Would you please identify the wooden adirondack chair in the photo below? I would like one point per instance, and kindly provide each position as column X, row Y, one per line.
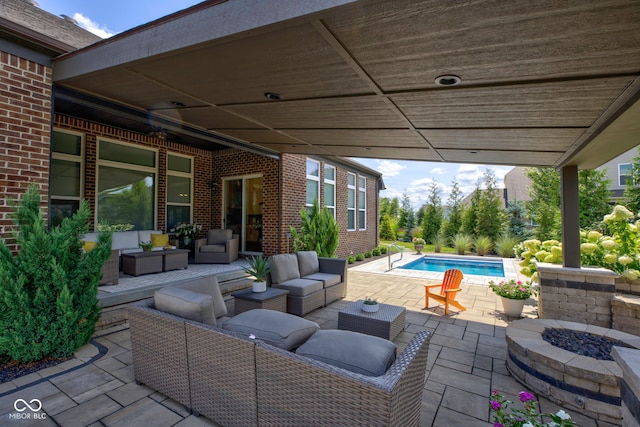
column 449, row 287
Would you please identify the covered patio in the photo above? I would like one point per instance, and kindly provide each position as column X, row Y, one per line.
column 466, row 361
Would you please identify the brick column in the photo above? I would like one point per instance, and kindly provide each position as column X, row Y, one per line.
column 25, row 123
column 576, row 294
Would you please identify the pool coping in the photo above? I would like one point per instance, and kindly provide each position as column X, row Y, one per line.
column 381, row 266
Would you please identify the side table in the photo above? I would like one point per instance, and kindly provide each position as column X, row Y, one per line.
column 386, row 323
column 271, row 299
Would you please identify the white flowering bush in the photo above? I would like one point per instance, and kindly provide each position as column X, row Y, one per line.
column 618, row 251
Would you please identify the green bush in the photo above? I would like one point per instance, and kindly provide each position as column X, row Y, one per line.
column 351, row 259
column 368, row 254
column 376, row 252
column 383, row 250
column 359, row 257
column 318, row 232
column 462, row 242
column 49, row 289
column 504, row 245
column 482, row 244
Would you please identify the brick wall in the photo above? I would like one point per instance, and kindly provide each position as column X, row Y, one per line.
column 294, row 189
column 201, row 164
column 236, row 163
column 25, row 129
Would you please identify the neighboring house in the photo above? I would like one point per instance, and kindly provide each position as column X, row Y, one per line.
column 618, row 170
column 516, row 186
column 517, row 183
column 156, row 179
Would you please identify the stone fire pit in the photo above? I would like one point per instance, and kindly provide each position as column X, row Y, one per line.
column 576, row 382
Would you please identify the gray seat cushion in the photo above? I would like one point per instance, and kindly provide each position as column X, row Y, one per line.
column 216, row 249
column 300, row 287
column 326, row 278
column 353, row 351
column 284, row 267
column 219, row 237
column 185, row 303
column 308, row 262
column 274, row 327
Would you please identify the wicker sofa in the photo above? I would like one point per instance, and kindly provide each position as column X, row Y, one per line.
column 237, row 381
column 312, row 281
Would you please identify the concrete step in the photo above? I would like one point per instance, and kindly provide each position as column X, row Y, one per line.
column 114, row 305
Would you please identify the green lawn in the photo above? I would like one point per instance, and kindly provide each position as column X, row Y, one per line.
column 409, row 246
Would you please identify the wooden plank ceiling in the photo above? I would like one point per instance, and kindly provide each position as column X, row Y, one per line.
column 540, row 80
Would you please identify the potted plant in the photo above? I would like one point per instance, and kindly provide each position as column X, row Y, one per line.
column 146, row 246
column 513, row 294
column 418, row 244
column 370, row 305
column 258, row 268
column 187, row 232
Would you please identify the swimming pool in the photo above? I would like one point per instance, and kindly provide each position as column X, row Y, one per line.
column 467, row 266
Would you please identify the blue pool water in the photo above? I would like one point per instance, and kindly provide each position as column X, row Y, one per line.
column 478, row 268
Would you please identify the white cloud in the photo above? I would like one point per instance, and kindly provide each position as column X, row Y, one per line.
column 388, row 168
column 93, row 27
column 438, row 171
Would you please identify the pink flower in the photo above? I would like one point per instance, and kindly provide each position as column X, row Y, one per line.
column 495, row 405
column 525, row 396
column 498, row 424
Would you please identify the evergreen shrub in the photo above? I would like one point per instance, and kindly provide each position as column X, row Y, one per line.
column 49, row 289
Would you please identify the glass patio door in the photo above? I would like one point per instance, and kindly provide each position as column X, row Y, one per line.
column 242, row 211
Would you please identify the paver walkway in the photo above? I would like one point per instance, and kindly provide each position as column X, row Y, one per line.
column 466, row 361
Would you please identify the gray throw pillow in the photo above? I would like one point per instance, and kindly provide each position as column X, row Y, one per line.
column 308, row 262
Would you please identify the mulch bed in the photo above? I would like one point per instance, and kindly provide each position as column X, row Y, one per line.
column 9, row 371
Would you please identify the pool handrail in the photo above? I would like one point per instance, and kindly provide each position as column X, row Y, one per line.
column 399, row 248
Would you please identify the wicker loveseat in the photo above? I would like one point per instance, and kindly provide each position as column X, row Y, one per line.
column 312, row 281
column 234, row 380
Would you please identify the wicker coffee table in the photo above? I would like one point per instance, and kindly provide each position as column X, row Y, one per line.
column 387, row 322
column 139, row 263
column 271, row 299
column 175, row 259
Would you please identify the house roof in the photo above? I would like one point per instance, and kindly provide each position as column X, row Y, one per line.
column 24, row 22
column 542, row 83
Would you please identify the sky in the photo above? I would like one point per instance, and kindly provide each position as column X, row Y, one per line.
column 109, row 17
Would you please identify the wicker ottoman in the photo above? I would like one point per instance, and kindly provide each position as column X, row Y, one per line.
column 387, row 322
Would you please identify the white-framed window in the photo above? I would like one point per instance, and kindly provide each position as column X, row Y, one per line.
column 67, row 174
column 179, row 189
column 126, row 184
column 351, row 201
column 624, row 171
column 330, row 189
column 362, row 202
column 313, row 183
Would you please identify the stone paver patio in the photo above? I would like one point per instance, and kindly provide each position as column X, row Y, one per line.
column 466, row 361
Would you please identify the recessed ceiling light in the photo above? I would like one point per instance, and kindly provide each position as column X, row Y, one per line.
column 367, row 148
column 473, row 152
column 272, row 95
column 448, row 80
column 178, row 104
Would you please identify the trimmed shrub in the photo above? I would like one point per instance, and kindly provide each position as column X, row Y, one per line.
column 383, row 250
column 49, row 289
column 359, row 257
column 376, row 252
column 368, row 254
column 318, row 232
column 351, row 259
